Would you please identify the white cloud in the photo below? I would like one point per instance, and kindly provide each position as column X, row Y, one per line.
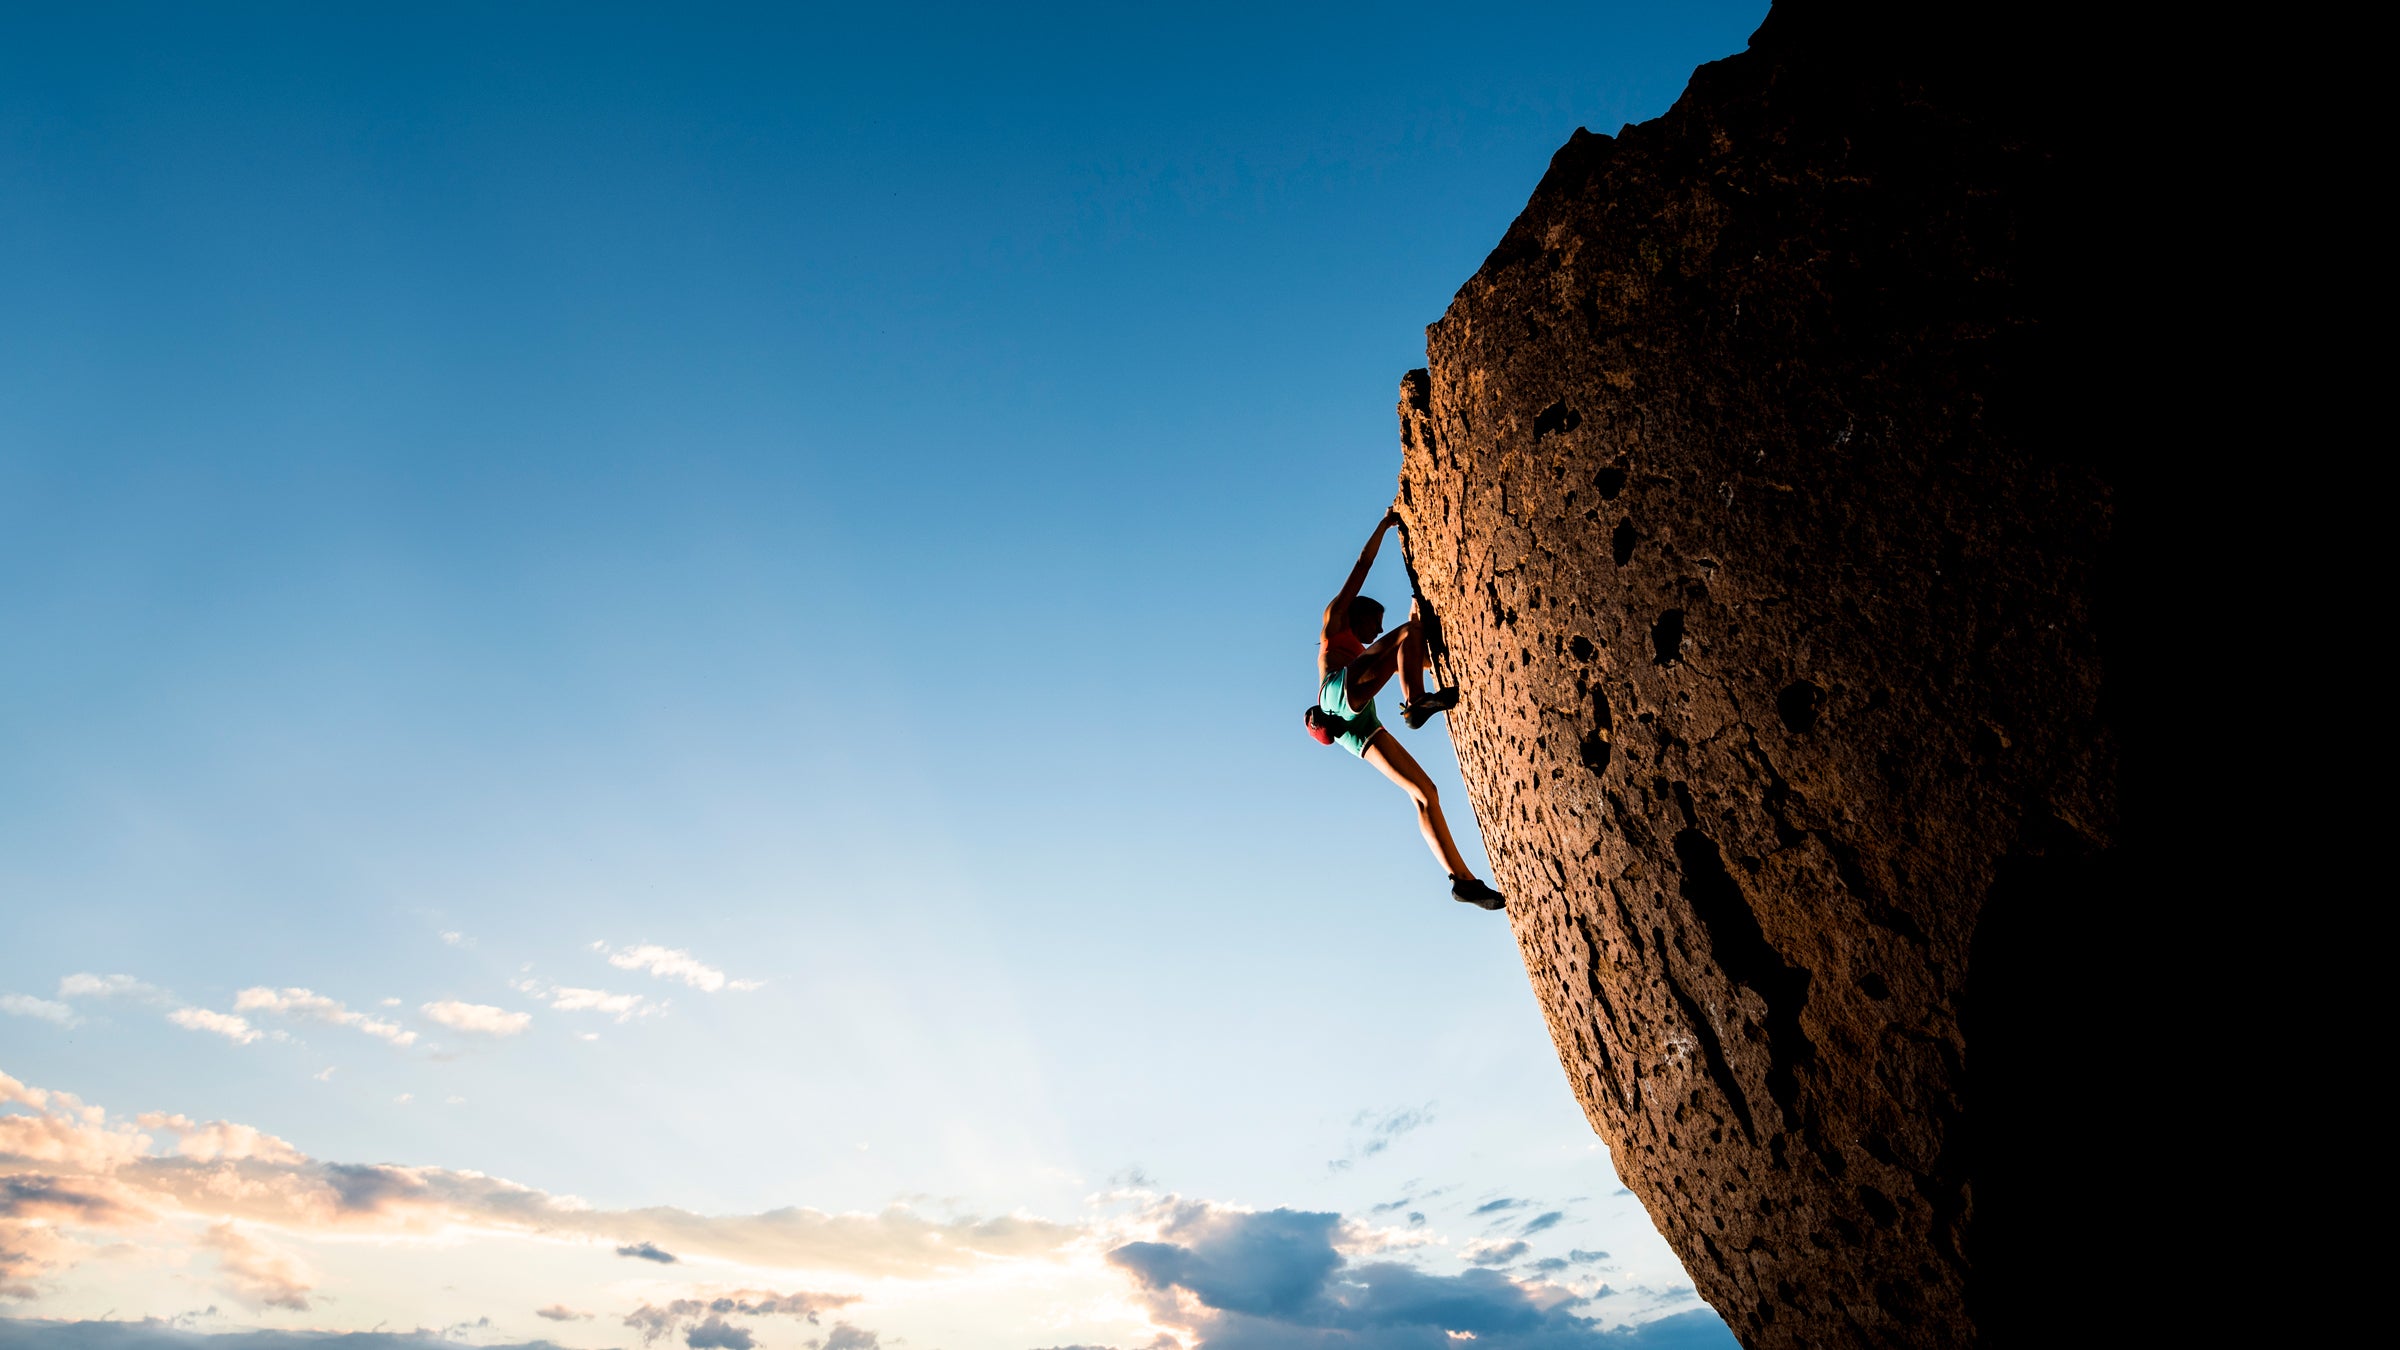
column 566, row 998
column 480, row 1019
column 318, row 1008
column 235, row 1029
column 623, row 1007
column 457, row 940
column 671, row 963
column 26, row 1005
column 85, row 985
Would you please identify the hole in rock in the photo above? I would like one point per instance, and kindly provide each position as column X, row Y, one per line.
column 1742, row 952
column 1798, row 704
column 1620, row 544
column 1666, row 636
column 1610, row 481
column 1582, row 647
column 1555, row 419
column 1595, row 751
column 1595, row 748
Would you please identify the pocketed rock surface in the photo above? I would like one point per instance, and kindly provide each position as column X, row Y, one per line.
column 1770, row 567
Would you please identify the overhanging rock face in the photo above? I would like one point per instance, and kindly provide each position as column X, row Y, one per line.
column 1770, row 564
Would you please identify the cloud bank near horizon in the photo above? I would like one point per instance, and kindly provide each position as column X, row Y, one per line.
column 151, row 1333
column 77, row 1181
column 249, row 1213
column 1284, row 1280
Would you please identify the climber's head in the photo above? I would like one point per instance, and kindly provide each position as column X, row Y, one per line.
column 1366, row 618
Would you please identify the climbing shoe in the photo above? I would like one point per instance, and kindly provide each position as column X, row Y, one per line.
column 1474, row 892
column 1420, row 711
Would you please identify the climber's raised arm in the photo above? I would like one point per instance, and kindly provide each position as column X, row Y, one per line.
column 1337, row 614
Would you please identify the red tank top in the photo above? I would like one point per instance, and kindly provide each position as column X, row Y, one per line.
column 1337, row 650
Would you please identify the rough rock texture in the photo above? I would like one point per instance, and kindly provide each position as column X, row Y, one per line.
column 1770, row 563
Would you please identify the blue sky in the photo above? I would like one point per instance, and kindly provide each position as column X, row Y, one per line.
column 517, row 523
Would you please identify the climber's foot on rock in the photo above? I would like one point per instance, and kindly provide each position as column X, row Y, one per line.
column 1474, row 892
column 1417, row 712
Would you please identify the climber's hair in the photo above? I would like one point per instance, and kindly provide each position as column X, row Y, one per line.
column 1365, row 610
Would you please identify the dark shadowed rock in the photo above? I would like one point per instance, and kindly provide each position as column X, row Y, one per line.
column 1769, row 552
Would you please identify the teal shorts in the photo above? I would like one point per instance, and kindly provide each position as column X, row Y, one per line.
column 1334, row 698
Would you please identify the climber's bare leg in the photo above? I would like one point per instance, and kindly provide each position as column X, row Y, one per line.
column 1412, row 660
column 1383, row 658
column 1386, row 754
column 1419, row 706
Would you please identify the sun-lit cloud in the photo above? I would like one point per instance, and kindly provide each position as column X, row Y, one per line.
column 255, row 1273
column 40, row 1009
column 478, row 1019
column 179, row 1333
column 567, row 998
column 314, row 1007
column 235, row 1029
column 86, row 985
column 560, row 1312
column 59, row 1134
column 669, row 963
column 224, row 1173
column 28, row 1250
column 219, row 1139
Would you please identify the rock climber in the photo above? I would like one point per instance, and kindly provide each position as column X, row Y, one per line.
column 1353, row 663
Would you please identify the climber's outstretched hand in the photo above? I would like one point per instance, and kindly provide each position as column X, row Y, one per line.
column 1337, row 614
